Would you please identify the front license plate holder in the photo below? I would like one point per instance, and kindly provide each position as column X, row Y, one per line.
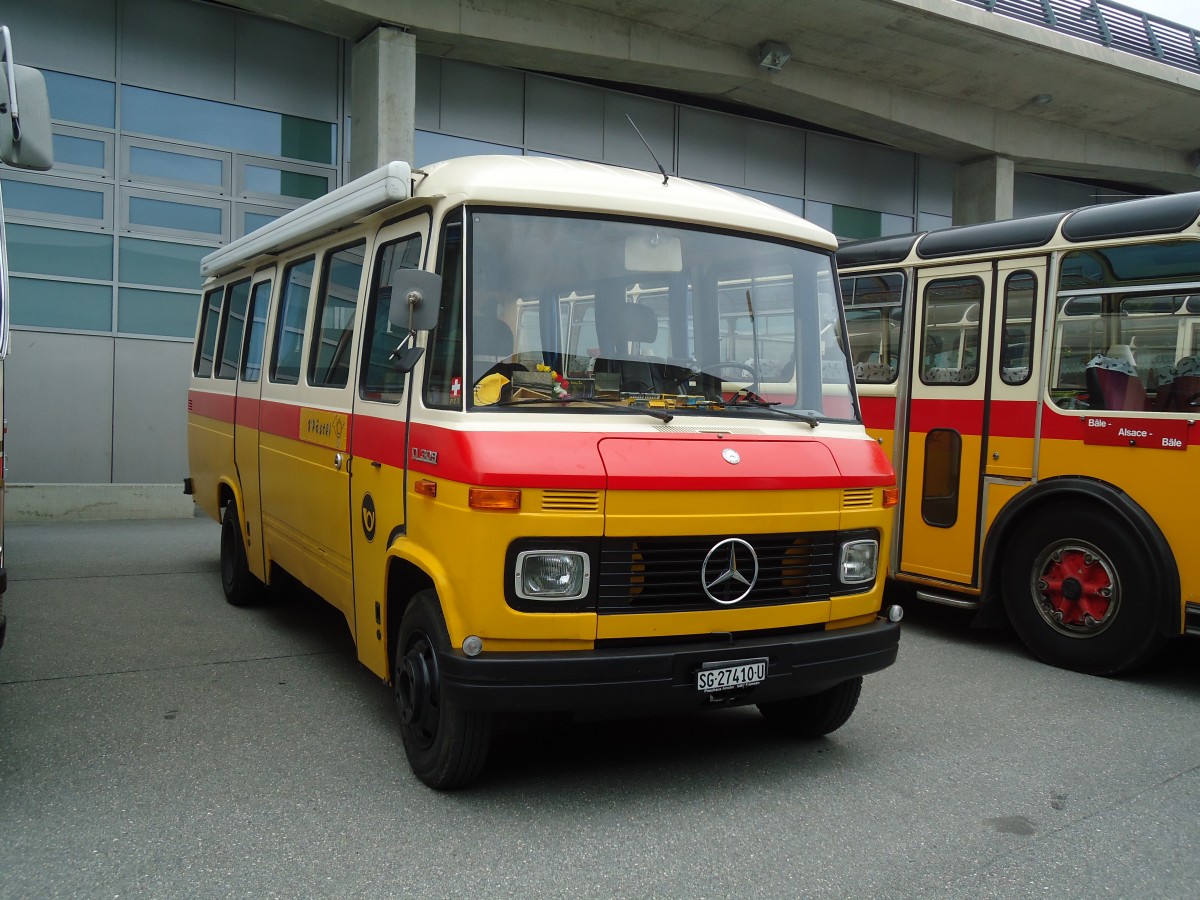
column 730, row 675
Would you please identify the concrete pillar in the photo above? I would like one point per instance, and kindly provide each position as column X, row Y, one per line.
column 983, row 191
column 383, row 99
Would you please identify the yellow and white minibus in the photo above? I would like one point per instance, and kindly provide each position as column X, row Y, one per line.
column 437, row 398
column 1037, row 384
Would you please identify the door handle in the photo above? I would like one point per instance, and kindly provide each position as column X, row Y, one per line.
column 337, row 461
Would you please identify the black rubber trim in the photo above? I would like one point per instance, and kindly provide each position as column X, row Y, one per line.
column 877, row 251
column 1191, row 619
column 1150, row 215
column 662, row 678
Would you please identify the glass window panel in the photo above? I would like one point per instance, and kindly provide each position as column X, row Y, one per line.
column 72, row 150
column 233, row 327
column 151, row 163
column 333, row 342
column 57, row 251
column 268, row 180
column 225, row 125
column 206, row 344
column 380, row 380
column 254, row 220
column 61, row 304
column 53, row 199
column 176, row 216
column 950, row 344
column 849, row 222
column 260, row 300
column 939, row 491
column 88, row 101
column 289, row 328
column 159, row 263
column 166, row 313
column 1016, row 341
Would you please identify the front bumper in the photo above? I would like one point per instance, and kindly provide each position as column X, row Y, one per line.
column 662, row 677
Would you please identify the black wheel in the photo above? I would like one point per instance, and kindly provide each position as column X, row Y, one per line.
column 446, row 746
column 240, row 586
column 817, row 715
column 1080, row 593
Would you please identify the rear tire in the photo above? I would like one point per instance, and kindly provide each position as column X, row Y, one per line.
column 1080, row 593
column 240, row 585
column 445, row 744
column 817, row 715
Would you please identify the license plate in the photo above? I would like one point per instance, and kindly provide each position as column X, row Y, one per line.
column 726, row 676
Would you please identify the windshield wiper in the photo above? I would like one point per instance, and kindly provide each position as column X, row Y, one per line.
column 770, row 406
column 615, row 406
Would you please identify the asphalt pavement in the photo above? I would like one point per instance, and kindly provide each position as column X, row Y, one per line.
column 157, row 742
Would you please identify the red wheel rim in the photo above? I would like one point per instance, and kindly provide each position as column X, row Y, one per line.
column 1076, row 588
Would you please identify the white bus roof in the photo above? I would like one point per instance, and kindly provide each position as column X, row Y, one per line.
column 529, row 181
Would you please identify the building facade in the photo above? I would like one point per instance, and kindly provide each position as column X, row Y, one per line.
column 181, row 125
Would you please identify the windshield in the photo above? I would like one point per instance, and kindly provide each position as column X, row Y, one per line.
column 569, row 313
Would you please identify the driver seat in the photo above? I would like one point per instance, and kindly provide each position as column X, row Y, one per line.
column 632, row 323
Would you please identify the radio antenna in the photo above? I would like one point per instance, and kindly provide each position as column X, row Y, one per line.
column 648, row 147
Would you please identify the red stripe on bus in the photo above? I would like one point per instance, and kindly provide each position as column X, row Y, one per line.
column 211, row 406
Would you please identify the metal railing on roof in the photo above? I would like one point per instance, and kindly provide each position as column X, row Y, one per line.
column 1111, row 24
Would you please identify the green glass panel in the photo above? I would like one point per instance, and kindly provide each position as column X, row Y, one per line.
column 157, row 312
column 159, row 263
column 56, row 251
column 77, row 151
column 200, row 121
column 178, row 216
column 53, row 200
column 61, row 304
column 849, row 222
column 88, row 101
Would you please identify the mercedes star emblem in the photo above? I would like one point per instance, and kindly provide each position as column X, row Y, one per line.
column 730, row 570
column 731, row 456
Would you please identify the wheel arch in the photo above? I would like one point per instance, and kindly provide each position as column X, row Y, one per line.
column 1109, row 499
column 405, row 579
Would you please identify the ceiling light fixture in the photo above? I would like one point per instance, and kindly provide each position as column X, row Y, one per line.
column 773, row 56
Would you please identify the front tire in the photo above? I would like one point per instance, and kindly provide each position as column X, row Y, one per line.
column 817, row 715
column 1080, row 593
column 240, row 585
column 446, row 745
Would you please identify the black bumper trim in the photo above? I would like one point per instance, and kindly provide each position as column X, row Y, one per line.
column 663, row 677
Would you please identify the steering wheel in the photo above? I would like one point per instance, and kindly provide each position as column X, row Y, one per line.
column 716, row 368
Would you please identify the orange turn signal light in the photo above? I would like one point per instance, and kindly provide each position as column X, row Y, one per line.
column 494, row 499
column 426, row 488
column 891, row 497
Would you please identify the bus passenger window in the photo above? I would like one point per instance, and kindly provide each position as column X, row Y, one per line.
column 206, row 346
column 939, row 490
column 232, row 325
column 951, row 331
column 329, row 358
column 289, row 328
column 1016, row 338
column 380, row 380
column 257, row 318
column 443, row 371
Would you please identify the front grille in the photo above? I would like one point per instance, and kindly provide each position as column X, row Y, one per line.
column 664, row 574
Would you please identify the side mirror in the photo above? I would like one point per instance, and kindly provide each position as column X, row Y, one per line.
column 25, row 138
column 415, row 298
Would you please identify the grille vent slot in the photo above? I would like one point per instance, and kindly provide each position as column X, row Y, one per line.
column 570, row 501
column 858, row 498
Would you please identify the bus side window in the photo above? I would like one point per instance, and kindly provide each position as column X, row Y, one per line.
column 206, row 341
column 329, row 357
column 1016, row 338
column 380, row 380
column 289, row 327
column 233, row 322
column 443, row 370
column 951, row 331
column 939, row 488
column 256, row 316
